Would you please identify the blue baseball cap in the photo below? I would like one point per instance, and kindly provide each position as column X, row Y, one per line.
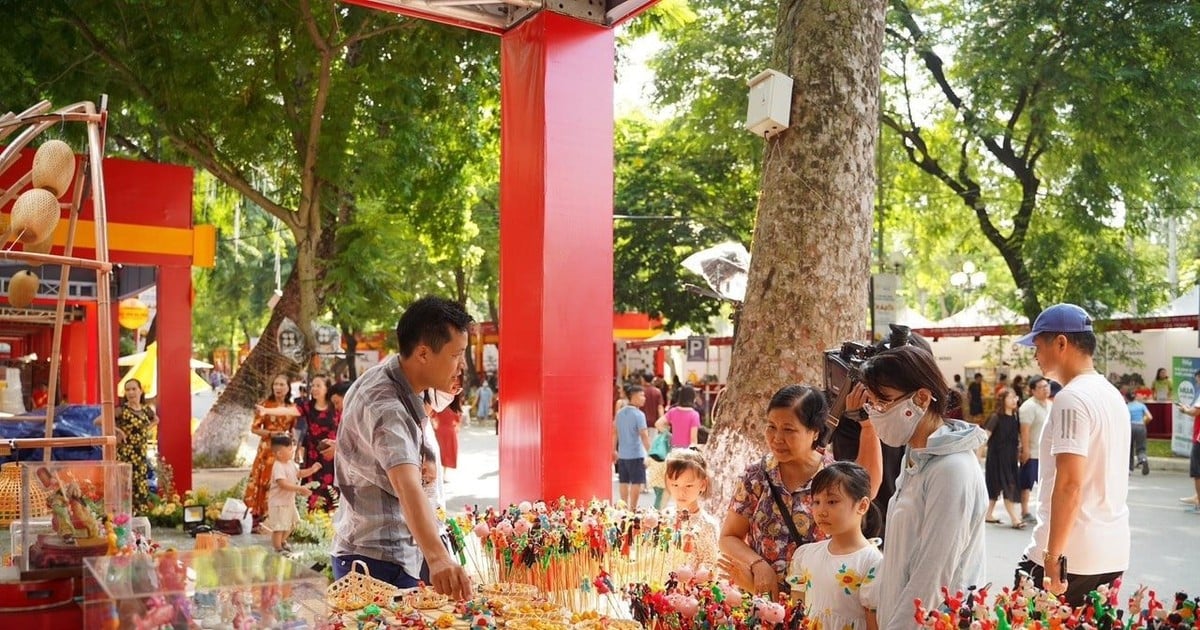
column 1060, row 318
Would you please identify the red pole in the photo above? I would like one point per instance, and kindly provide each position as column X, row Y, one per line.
column 174, row 401
column 556, row 183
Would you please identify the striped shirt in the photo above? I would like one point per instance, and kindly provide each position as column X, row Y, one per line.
column 378, row 432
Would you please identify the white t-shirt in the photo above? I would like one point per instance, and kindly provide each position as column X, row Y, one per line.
column 838, row 589
column 1089, row 418
column 288, row 472
column 1034, row 413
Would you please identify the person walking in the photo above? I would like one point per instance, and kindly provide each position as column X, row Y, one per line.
column 1139, row 417
column 631, row 441
column 1001, row 471
column 1082, row 514
column 1033, row 414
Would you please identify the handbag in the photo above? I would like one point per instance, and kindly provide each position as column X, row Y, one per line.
column 785, row 513
column 661, row 446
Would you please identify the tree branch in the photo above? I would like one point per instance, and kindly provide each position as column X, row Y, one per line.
column 208, row 159
column 360, row 37
column 310, row 194
column 936, row 67
column 133, row 147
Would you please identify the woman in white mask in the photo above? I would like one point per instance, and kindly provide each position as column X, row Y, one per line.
column 935, row 534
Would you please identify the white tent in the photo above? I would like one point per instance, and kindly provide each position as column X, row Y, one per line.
column 984, row 312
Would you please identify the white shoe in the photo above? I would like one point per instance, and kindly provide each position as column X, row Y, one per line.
column 1188, row 500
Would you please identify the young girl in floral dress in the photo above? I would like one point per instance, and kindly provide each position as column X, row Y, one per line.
column 837, row 578
column 265, row 426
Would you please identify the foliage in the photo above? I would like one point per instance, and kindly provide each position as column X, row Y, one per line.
column 694, row 177
column 1039, row 127
column 232, row 297
column 671, row 203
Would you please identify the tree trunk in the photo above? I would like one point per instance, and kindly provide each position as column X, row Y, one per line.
column 351, row 353
column 222, row 431
column 810, row 261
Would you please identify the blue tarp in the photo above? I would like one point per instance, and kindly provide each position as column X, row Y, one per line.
column 69, row 421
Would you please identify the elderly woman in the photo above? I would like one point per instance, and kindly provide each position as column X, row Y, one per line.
column 935, row 519
column 770, row 516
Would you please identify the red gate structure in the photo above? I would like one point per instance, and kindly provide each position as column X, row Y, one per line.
column 556, row 189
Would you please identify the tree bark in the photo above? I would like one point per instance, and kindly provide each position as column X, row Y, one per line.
column 810, row 262
column 221, row 432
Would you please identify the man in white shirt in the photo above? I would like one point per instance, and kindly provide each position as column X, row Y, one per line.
column 1083, row 457
column 1033, row 414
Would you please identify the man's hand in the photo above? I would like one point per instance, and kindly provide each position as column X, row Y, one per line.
column 1053, row 582
column 450, row 579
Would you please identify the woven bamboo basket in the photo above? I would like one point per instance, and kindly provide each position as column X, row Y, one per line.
column 357, row 590
column 10, row 496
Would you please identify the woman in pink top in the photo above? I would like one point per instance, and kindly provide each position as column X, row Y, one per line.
column 682, row 420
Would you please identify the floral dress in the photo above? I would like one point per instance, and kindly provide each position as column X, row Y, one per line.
column 838, row 588
column 769, row 536
column 260, row 472
column 322, row 425
column 136, row 425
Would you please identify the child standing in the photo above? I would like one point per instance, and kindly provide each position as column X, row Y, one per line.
column 687, row 481
column 282, row 515
column 837, row 578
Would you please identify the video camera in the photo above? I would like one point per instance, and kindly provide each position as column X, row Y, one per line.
column 843, row 367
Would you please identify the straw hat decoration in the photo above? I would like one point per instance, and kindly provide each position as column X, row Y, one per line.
column 34, row 216
column 22, row 288
column 54, row 167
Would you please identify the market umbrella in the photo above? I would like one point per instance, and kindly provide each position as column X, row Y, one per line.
column 145, row 370
column 131, row 360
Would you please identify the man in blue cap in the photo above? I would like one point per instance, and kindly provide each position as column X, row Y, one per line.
column 1082, row 512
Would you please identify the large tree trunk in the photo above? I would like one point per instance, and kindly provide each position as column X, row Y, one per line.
column 810, row 261
column 225, row 427
column 222, row 432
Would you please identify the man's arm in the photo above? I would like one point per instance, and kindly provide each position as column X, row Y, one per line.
column 448, row 577
column 1025, row 431
column 1064, row 509
column 645, row 435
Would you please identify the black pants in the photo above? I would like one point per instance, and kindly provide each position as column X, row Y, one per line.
column 1078, row 586
column 1137, row 443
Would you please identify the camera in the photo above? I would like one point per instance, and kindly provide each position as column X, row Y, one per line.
column 843, row 367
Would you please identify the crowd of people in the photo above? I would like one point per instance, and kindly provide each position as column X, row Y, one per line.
column 854, row 518
column 800, row 517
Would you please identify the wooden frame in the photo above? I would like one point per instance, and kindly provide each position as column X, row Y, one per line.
column 88, row 181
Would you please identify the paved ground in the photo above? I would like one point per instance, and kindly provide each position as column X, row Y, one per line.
column 1165, row 535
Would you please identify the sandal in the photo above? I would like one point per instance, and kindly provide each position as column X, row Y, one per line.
column 1019, row 525
column 994, row 521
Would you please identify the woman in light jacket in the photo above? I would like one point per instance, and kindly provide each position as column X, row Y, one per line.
column 935, row 532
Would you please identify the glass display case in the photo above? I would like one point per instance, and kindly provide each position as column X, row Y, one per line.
column 85, row 499
column 235, row 587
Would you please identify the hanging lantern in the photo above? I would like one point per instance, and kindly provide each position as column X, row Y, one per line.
column 54, row 167
column 34, row 216
column 132, row 313
column 22, row 288
column 41, row 247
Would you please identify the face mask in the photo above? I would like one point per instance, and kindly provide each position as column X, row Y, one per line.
column 439, row 399
column 896, row 425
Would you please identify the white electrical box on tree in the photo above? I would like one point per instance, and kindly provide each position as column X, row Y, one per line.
column 770, row 103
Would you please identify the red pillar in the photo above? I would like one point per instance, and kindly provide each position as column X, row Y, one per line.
column 75, row 368
column 174, row 403
column 556, row 191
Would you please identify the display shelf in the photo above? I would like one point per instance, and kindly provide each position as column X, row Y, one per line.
column 248, row 587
